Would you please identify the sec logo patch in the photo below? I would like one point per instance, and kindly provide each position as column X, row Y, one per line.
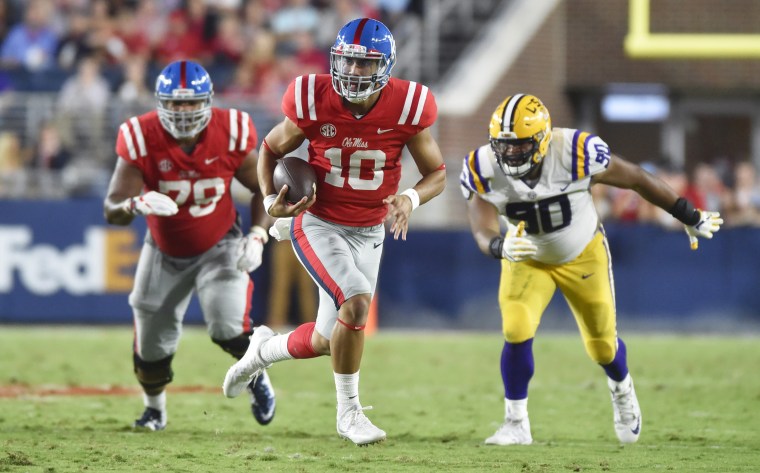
column 328, row 130
column 165, row 165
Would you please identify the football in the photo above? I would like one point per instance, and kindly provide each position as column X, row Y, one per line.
column 298, row 175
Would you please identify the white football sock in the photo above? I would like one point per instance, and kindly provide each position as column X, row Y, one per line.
column 516, row 409
column 275, row 349
column 347, row 389
column 156, row 402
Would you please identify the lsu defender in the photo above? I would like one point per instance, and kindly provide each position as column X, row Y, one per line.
column 538, row 179
column 175, row 165
column 358, row 119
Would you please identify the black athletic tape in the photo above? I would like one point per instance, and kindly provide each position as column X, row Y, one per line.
column 684, row 211
column 495, row 247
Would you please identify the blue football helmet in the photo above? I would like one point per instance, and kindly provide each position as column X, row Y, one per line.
column 184, row 82
column 361, row 59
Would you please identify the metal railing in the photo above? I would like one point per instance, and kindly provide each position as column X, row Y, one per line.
column 88, row 137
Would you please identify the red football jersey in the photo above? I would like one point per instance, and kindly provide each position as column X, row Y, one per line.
column 357, row 160
column 198, row 182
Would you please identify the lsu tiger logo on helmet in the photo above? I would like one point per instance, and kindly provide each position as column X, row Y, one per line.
column 520, row 132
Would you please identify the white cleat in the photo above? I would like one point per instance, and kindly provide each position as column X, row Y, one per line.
column 626, row 411
column 249, row 366
column 512, row 432
column 356, row 427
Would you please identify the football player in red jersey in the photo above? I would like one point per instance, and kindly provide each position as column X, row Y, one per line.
column 357, row 120
column 175, row 167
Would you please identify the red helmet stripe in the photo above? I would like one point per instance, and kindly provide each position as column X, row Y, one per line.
column 359, row 31
column 183, row 75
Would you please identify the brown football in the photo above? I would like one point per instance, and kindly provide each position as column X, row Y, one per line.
column 298, row 175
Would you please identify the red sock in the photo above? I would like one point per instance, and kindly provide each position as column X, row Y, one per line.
column 299, row 342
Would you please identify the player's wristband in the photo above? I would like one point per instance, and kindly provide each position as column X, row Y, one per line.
column 129, row 206
column 268, row 202
column 684, row 211
column 495, row 247
column 413, row 196
column 260, row 232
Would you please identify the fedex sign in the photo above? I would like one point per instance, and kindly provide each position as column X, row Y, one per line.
column 103, row 262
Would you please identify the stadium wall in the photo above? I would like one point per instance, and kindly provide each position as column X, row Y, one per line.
column 60, row 263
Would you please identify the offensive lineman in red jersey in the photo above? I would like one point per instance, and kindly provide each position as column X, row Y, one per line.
column 183, row 158
column 357, row 120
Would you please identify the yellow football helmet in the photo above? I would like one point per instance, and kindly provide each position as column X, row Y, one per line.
column 520, row 132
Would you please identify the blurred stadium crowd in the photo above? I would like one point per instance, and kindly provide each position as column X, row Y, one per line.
column 72, row 70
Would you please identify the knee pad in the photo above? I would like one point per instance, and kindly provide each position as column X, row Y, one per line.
column 153, row 375
column 235, row 346
column 601, row 350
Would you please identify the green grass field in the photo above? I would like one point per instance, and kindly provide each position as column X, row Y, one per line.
column 437, row 395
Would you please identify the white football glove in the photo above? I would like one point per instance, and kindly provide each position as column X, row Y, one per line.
column 281, row 229
column 516, row 247
column 151, row 203
column 250, row 249
column 709, row 223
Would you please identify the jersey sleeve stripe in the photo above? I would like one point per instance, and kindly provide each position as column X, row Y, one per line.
column 476, row 178
column 244, row 120
column 407, row 103
column 233, row 129
column 580, row 155
column 420, row 105
column 312, row 102
column 128, row 140
column 297, row 91
column 464, row 176
column 139, row 136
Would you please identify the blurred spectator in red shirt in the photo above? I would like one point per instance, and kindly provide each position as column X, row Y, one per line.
column 179, row 42
column 628, row 206
column 228, row 45
column 152, row 20
column 132, row 34
column 311, row 60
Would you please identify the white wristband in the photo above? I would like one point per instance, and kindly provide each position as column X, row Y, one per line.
column 268, row 202
column 414, row 196
column 260, row 232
